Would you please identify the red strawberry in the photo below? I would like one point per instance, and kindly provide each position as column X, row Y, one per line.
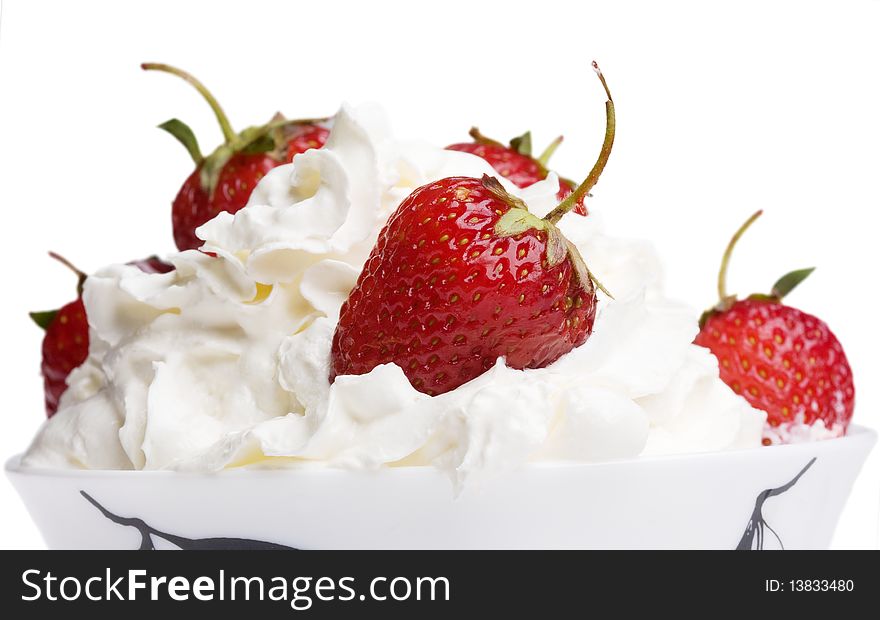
column 223, row 180
column 302, row 137
column 193, row 205
column 65, row 347
column 462, row 274
column 515, row 162
column 780, row 359
column 66, row 341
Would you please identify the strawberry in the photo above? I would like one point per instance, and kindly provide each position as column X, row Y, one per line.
column 66, row 339
column 223, row 180
column 304, row 136
column 463, row 274
column 65, row 347
column 780, row 359
column 515, row 161
column 193, row 205
column 152, row 264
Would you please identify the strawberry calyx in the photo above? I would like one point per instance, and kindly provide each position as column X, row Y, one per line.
column 522, row 145
column 782, row 287
column 518, row 220
column 44, row 318
column 269, row 138
column 494, row 187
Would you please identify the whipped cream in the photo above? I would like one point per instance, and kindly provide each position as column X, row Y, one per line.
column 224, row 362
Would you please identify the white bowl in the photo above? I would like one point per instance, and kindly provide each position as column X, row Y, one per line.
column 787, row 496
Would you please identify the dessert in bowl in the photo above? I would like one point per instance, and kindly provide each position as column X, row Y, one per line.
column 392, row 345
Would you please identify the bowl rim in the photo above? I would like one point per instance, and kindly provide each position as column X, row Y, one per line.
column 856, row 434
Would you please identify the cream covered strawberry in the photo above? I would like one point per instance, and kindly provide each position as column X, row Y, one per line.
column 66, row 339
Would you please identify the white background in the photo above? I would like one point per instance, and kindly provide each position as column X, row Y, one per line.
column 723, row 108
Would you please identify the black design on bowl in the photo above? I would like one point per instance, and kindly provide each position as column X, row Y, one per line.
column 753, row 537
column 147, row 533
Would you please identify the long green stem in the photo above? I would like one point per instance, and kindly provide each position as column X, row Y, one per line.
column 229, row 136
column 583, row 189
column 728, row 251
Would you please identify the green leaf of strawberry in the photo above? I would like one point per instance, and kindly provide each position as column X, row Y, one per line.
column 185, row 136
column 523, row 144
column 789, row 281
column 43, row 319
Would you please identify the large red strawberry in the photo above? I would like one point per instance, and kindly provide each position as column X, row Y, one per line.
column 463, row 274
column 780, row 359
column 66, row 341
column 515, row 162
column 223, row 180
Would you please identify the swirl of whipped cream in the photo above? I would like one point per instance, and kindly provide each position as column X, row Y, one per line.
column 224, row 362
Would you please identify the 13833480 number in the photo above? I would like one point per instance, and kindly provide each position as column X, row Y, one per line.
column 821, row 585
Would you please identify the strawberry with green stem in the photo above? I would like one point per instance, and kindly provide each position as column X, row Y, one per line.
column 515, row 162
column 66, row 339
column 224, row 180
column 65, row 343
column 781, row 360
column 463, row 274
